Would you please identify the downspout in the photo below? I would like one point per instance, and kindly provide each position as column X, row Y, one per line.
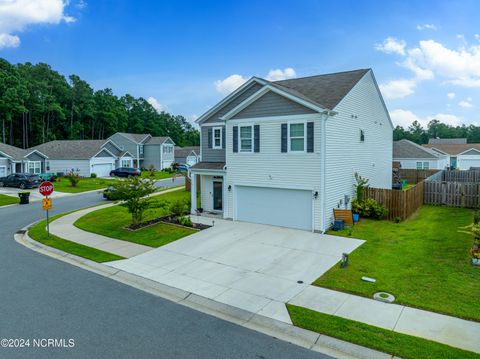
column 323, row 124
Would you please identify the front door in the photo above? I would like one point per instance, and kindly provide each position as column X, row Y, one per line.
column 218, row 196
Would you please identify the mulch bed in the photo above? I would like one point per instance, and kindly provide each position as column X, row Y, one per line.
column 166, row 220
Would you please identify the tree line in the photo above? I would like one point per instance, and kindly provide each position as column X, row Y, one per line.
column 436, row 129
column 38, row 104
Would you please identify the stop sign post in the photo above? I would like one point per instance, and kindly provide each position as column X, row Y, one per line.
column 46, row 189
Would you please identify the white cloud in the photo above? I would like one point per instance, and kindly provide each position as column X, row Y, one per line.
column 156, row 104
column 392, row 46
column 16, row 15
column 466, row 103
column 81, row 4
column 405, row 118
column 420, row 73
column 7, row 40
column 398, row 88
column 229, row 84
column 426, row 27
column 278, row 74
column 451, row 95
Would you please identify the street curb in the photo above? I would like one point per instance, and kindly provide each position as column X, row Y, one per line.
column 304, row 338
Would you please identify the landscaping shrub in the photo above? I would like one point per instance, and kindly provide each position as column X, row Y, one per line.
column 369, row 209
column 475, row 251
column 73, row 177
column 185, row 221
column 93, row 175
column 178, row 208
column 360, row 186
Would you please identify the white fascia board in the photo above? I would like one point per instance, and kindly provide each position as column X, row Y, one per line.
column 104, row 149
column 113, row 143
column 438, row 150
column 228, row 98
column 265, row 89
column 37, row 151
column 470, row 149
column 7, row 156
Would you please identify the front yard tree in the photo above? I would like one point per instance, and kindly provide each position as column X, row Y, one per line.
column 134, row 192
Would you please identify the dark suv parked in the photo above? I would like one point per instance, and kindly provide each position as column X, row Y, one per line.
column 125, row 172
column 21, row 180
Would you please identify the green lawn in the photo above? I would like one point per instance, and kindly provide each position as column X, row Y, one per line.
column 423, row 261
column 5, row 200
column 111, row 221
column 39, row 233
column 158, row 174
column 85, row 184
column 402, row 345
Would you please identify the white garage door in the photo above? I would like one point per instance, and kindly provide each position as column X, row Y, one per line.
column 277, row 206
column 102, row 169
column 466, row 163
column 3, row 171
column 166, row 164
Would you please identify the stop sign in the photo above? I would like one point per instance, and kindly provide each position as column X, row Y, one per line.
column 46, row 188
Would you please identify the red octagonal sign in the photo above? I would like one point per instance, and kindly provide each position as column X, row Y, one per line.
column 46, row 188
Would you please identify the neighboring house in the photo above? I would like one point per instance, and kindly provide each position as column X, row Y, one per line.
column 285, row 152
column 132, row 143
column 187, row 155
column 147, row 151
column 413, row 156
column 17, row 160
column 159, row 153
column 461, row 155
column 82, row 156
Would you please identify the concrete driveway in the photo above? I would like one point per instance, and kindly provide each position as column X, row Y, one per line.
column 250, row 266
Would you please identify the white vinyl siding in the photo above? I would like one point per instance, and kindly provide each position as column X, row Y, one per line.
column 272, row 168
column 432, row 164
column 361, row 109
column 83, row 166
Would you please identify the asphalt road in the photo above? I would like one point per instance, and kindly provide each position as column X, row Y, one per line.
column 42, row 298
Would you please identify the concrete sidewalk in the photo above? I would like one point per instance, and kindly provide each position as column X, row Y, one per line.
column 64, row 227
column 445, row 329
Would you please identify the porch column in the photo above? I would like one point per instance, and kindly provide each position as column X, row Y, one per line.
column 193, row 193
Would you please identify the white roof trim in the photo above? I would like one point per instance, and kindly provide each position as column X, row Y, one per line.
column 113, row 143
column 438, row 150
column 264, row 90
column 126, row 153
column 128, row 138
column 37, row 151
column 228, row 98
column 472, row 148
column 8, row 156
column 103, row 149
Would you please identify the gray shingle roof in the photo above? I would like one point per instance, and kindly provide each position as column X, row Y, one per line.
column 156, row 140
column 70, row 149
column 324, row 90
column 12, row 151
column 185, row 151
column 135, row 137
column 208, row 166
column 408, row 149
column 454, row 149
column 447, row 141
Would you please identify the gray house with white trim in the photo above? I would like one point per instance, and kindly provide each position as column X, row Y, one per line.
column 17, row 160
column 284, row 153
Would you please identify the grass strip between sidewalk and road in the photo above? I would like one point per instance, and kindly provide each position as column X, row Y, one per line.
column 6, row 200
column 38, row 232
column 387, row 341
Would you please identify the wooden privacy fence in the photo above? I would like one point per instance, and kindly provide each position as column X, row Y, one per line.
column 453, row 194
column 470, row 176
column 399, row 203
column 415, row 176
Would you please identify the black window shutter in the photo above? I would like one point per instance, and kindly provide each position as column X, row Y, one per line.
column 309, row 136
column 256, row 138
column 235, row 138
column 223, row 137
column 210, row 135
column 284, row 137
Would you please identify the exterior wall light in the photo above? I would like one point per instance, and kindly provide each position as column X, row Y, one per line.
column 229, row 187
column 315, row 195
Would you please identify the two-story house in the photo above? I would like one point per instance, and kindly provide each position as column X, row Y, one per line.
column 146, row 150
column 285, row 152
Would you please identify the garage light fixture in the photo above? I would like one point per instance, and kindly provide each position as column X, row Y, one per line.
column 315, row 195
column 229, row 187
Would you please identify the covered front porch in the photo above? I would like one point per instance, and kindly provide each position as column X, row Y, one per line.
column 211, row 199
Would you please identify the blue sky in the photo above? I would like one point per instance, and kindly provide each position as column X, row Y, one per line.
column 186, row 55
